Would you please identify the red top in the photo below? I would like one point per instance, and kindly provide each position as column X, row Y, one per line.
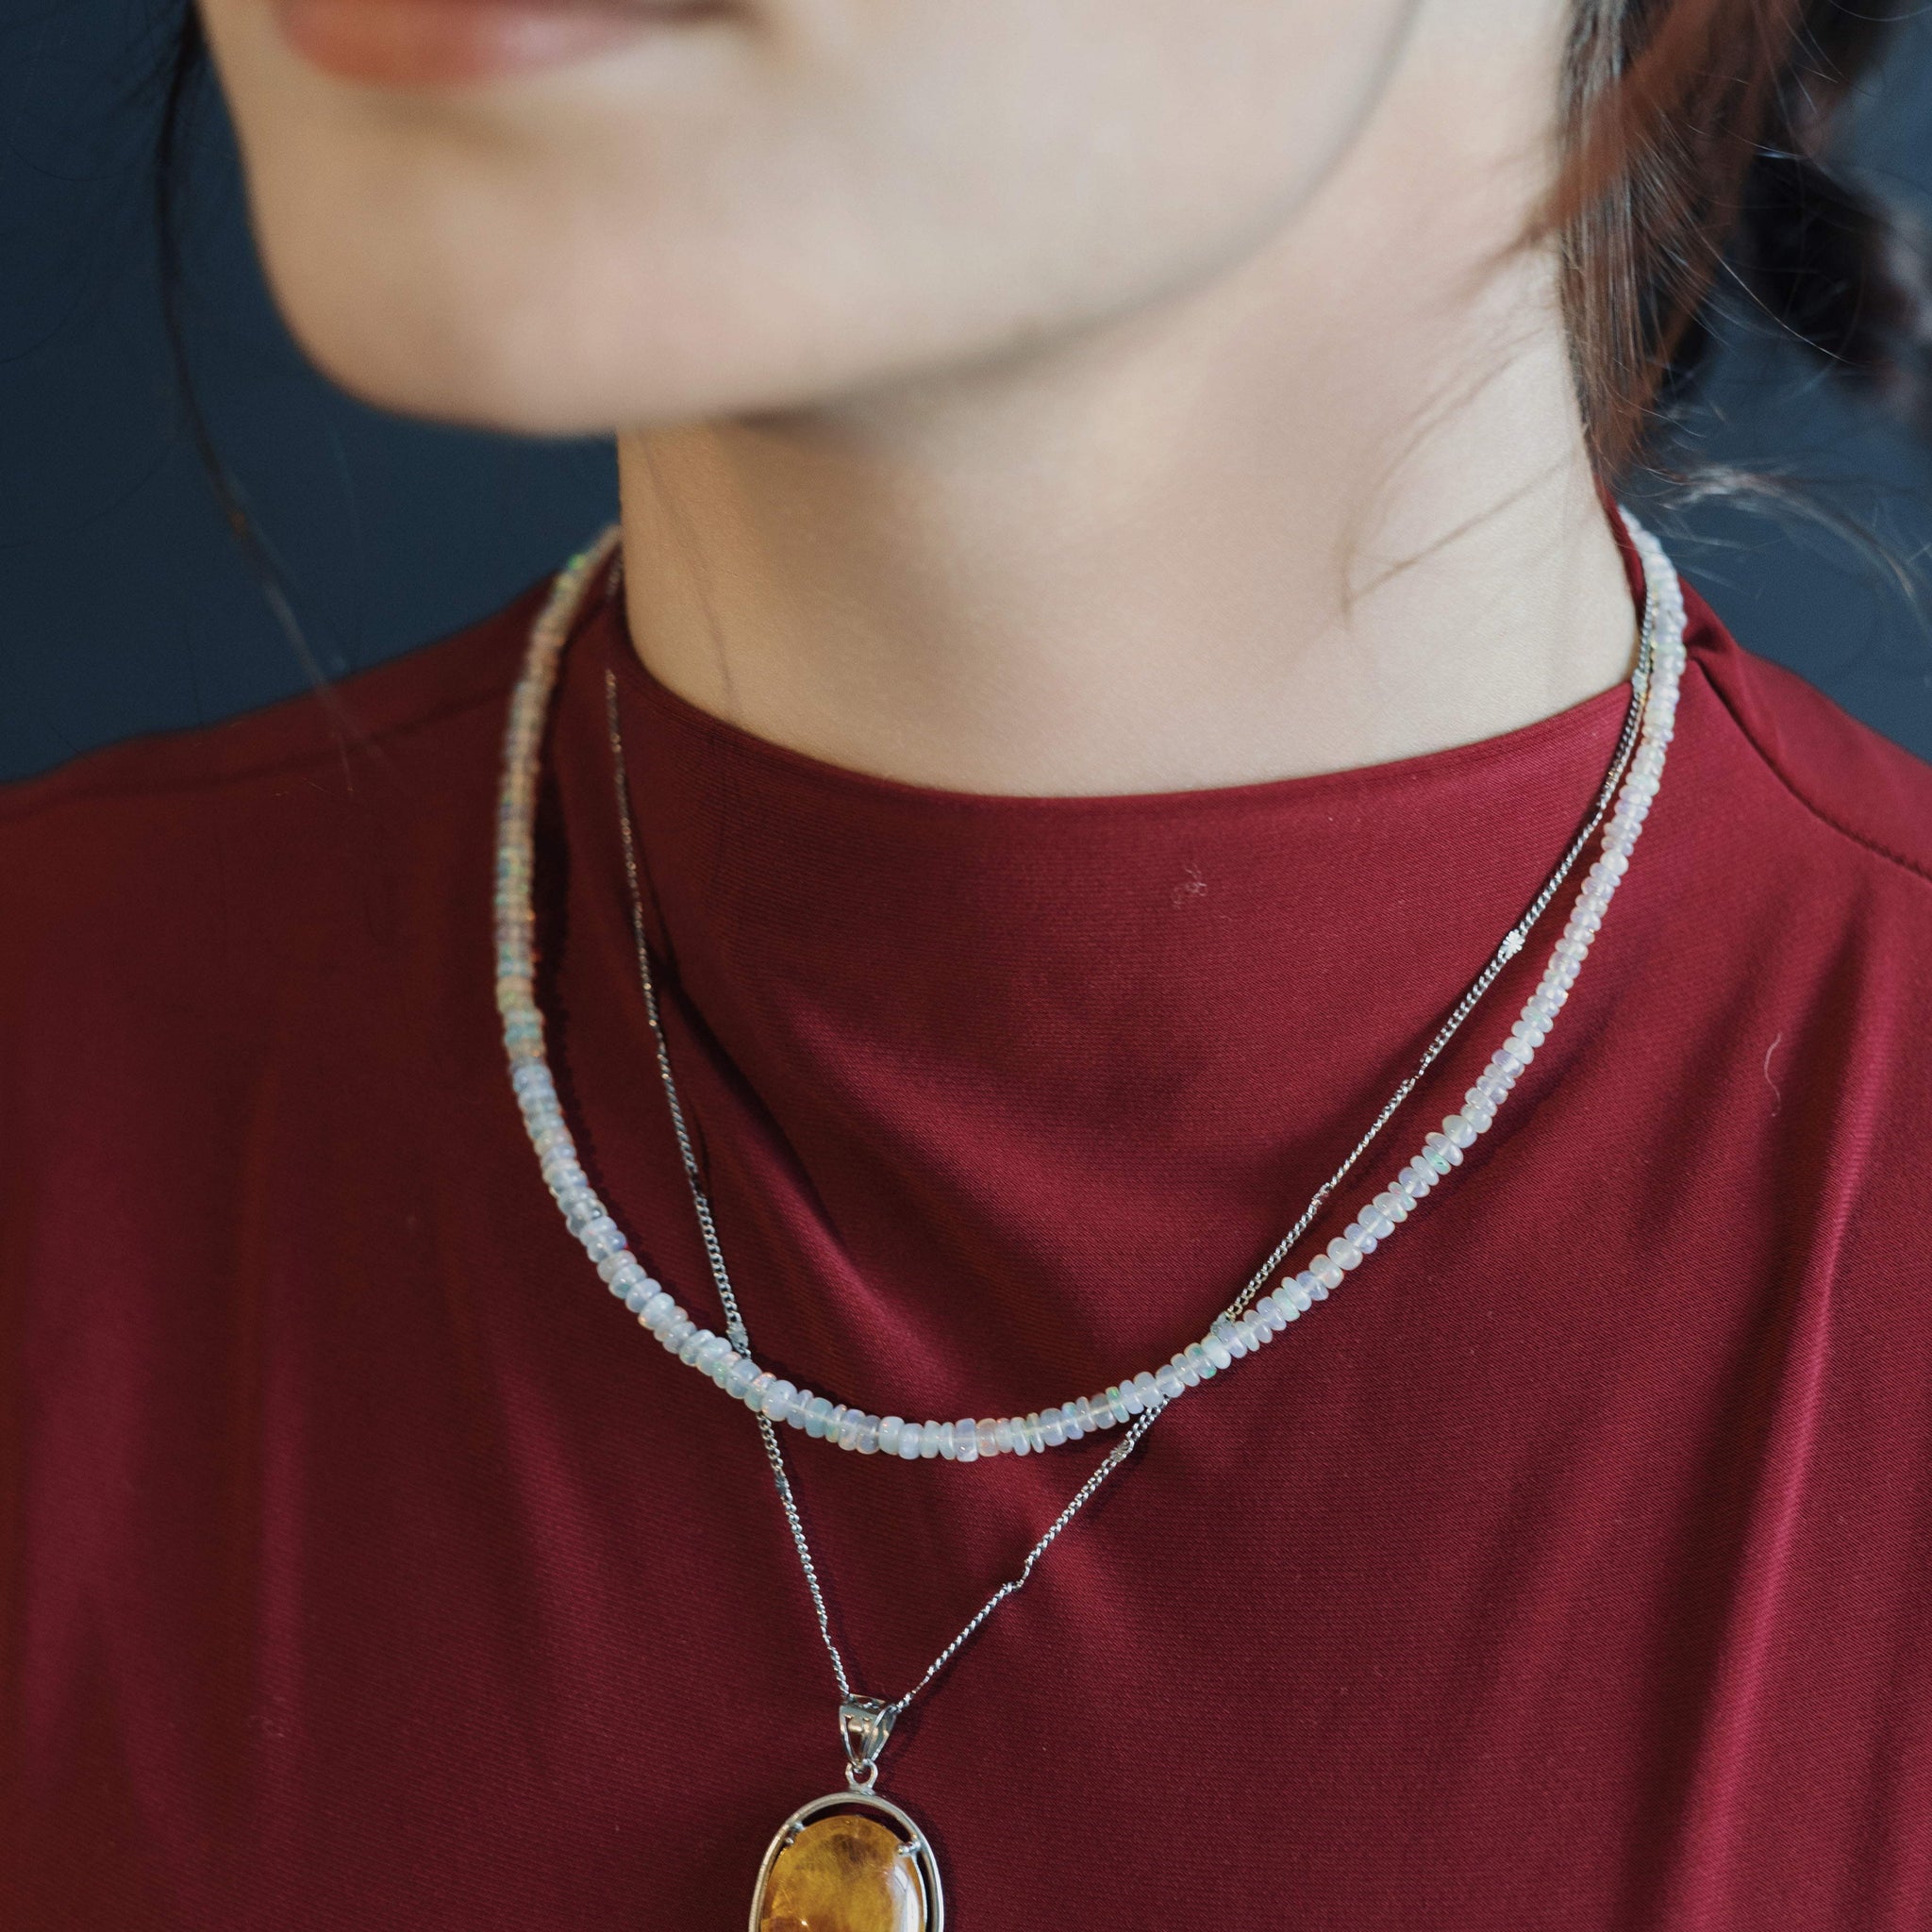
column 366, row 1566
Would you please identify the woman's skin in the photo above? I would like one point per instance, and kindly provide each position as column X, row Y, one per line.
column 1029, row 396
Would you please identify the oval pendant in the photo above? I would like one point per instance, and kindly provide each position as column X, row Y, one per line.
column 852, row 1862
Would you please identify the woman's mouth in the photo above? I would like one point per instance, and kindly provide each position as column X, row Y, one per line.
column 448, row 42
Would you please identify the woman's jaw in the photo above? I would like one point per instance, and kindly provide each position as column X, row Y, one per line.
column 773, row 204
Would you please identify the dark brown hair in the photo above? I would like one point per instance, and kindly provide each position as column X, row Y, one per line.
column 1699, row 137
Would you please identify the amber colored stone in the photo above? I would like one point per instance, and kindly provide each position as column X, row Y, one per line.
column 844, row 1873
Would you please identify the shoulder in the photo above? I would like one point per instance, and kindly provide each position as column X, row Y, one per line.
column 1854, row 786
column 429, row 692
column 202, row 876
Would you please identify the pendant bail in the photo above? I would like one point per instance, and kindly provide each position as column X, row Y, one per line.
column 864, row 1723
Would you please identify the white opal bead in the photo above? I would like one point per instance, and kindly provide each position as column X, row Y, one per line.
column 1229, row 1340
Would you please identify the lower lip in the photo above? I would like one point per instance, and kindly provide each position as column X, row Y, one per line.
column 451, row 43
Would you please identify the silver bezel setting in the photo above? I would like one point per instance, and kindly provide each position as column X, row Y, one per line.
column 915, row 1845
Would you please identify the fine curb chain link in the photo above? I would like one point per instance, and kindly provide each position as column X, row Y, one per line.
column 736, row 1331
column 774, row 1454
column 1512, row 942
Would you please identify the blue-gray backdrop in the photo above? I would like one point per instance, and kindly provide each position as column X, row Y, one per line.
column 126, row 606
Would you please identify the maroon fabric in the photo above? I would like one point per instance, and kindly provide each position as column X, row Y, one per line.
column 365, row 1565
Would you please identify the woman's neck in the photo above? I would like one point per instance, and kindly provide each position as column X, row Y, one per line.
column 1328, row 507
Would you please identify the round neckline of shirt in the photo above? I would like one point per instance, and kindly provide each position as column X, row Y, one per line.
column 1581, row 722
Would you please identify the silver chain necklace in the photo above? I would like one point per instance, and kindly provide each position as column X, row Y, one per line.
column 866, row 1721
column 857, row 1839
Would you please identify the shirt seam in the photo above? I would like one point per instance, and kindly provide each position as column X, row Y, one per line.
column 210, row 781
column 1904, row 862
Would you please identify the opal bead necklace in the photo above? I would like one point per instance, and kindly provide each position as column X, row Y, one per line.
column 853, row 1859
column 1252, row 1318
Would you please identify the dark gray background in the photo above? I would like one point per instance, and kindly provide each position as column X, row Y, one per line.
column 128, row 607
